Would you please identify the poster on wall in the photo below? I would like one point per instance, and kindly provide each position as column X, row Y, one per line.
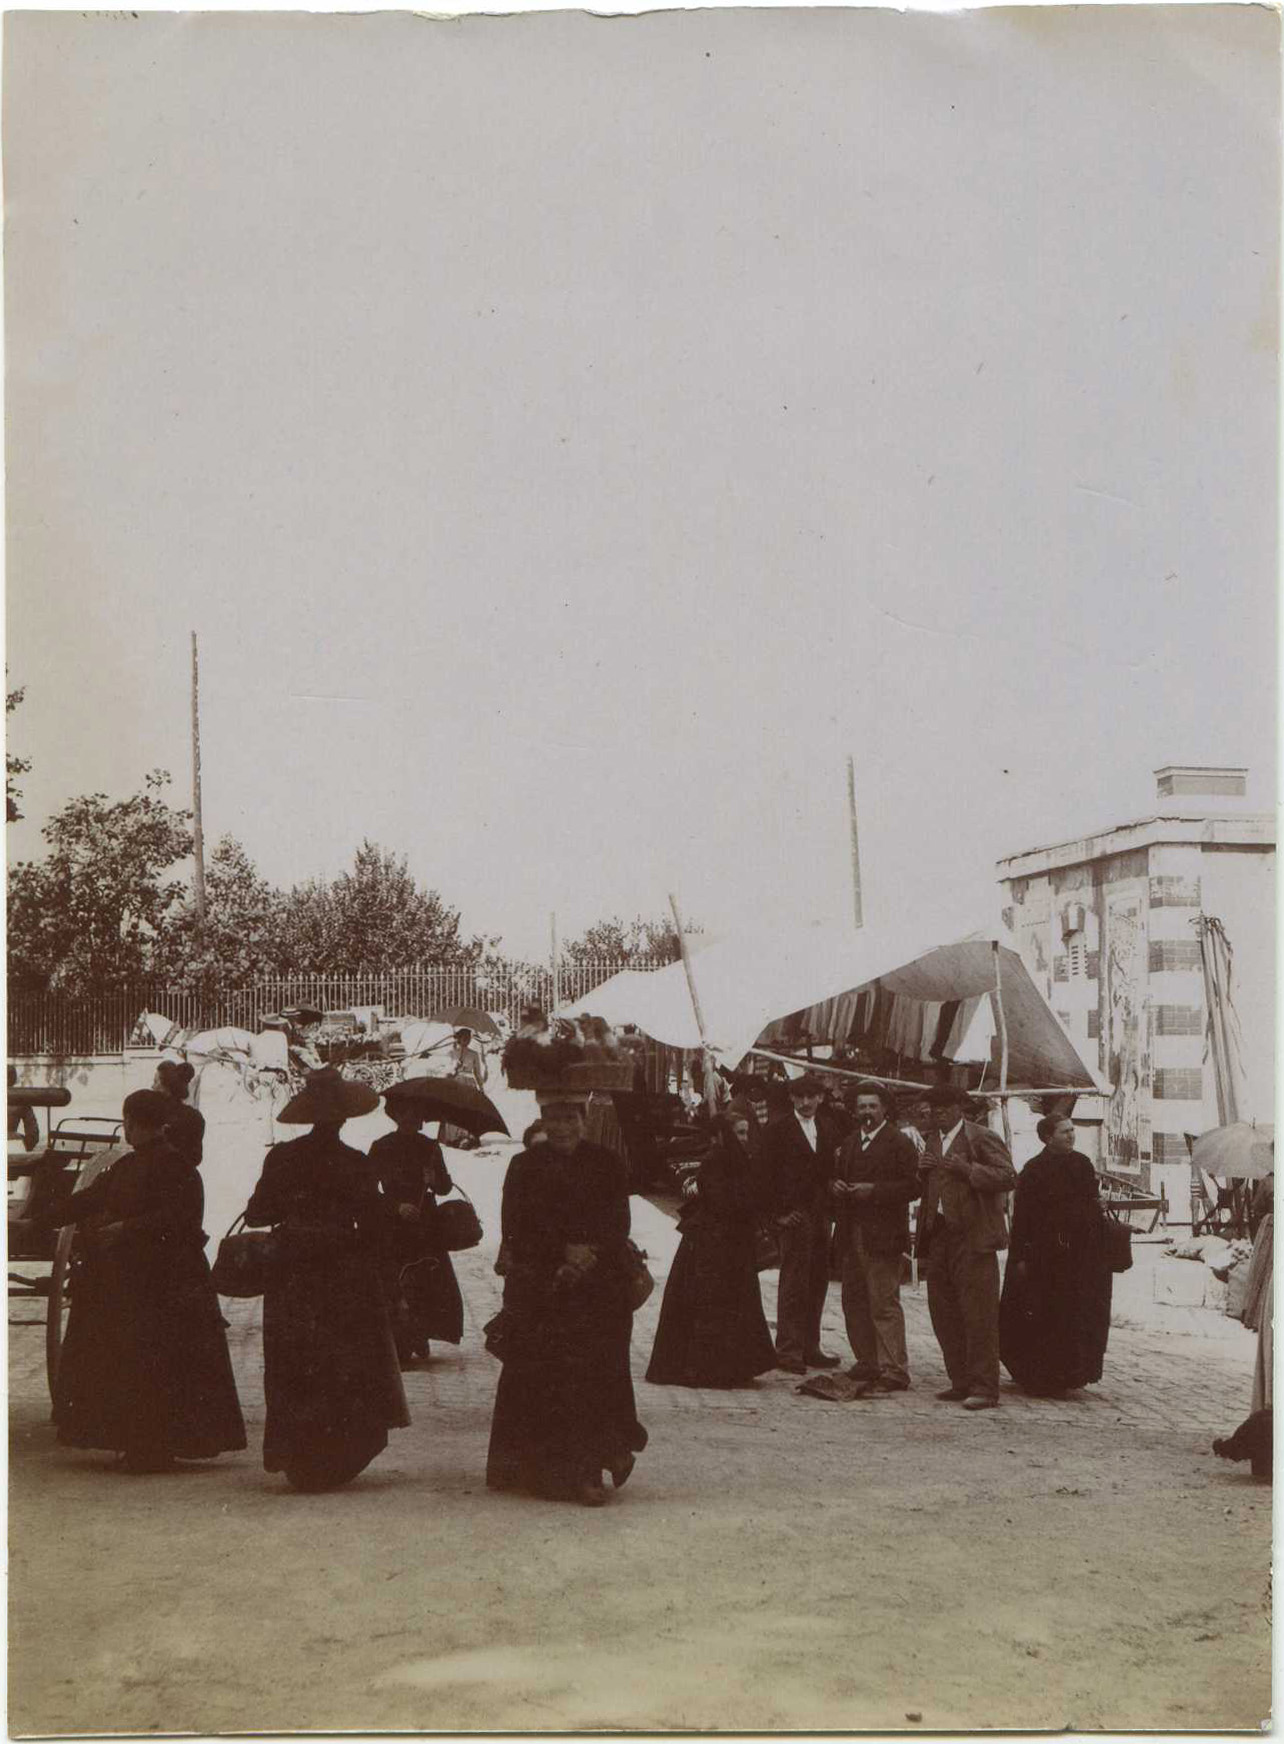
column 1127, row 1062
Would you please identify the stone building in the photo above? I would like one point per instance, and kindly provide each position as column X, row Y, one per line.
column 1109, row 925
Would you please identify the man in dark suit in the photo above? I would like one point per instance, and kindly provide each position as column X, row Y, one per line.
column 964, row 1228
column 875, row 1179
column 796, row 1156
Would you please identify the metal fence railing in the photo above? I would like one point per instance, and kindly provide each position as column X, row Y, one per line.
column 70, row 1026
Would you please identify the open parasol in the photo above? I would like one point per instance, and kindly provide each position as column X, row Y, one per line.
column 466, row 1017
column 456, row 1100
column 1239, row 1152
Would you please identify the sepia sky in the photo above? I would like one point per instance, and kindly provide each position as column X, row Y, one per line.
column 571, row 437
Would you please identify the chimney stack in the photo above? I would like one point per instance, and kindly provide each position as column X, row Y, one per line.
column 1196, row 781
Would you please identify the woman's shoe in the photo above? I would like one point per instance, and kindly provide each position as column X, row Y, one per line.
column 621, row 1470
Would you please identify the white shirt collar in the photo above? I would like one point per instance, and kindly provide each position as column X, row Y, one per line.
column 808, row 1126
column 869, row 1137
column 948, row 1138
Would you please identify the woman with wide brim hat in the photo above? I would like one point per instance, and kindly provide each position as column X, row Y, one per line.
column 564, row 1409
column 331, row 1379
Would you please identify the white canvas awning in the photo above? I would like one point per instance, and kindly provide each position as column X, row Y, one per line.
column 933, row 1000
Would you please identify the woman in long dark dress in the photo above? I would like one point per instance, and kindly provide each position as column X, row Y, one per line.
column 712, row 1330
column 185, row 1128
column 1054, row 1317
column 144, row 1368
column 564, row 1409
column 330, row 1373
column 412, row 1172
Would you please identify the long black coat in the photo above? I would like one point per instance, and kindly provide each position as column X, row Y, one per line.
column 331, row 1378
column 1054, row 1318
column 411, row 1170
column 144, row 1366
column 564, row 1408
column 712, row 1330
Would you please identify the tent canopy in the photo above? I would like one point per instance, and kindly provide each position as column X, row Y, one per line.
column 924, row 999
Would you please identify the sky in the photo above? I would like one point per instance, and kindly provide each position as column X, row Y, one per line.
column 571, row 438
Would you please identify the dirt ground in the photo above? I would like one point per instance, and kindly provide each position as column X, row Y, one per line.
column 775, row 1562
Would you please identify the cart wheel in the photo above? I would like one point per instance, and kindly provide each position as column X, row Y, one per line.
column 58, row 1305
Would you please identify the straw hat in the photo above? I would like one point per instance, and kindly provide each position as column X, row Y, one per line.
column 326, row 1099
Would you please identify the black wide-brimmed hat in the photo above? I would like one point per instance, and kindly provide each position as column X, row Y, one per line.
column 810, row 1084
column 946, row 1096
column 326, row 1099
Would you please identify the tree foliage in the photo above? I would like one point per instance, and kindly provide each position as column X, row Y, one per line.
column 13, row 766
column 242, row 938
column 95, row 910
column 374, row 918
column 621, row 941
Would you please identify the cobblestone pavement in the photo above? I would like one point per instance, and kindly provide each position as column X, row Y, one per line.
column 777, row 1563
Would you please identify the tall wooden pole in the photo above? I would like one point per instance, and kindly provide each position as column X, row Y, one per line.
column 556, row 962
column 1001, row 1015
column 198, row 832
column 710, row 1098
column 858, row 912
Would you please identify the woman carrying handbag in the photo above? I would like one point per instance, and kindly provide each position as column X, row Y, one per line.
column 412, row 1174
column 331, row 1378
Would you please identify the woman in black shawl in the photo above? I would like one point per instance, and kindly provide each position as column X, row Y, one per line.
column 564, row 1408
column 712, row 1330
column 185, row 1128
column 1054, row 1318
column 331, row 1379
column 412, row 1172
column 144, row 1367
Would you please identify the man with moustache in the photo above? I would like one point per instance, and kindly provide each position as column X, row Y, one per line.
column 875, row 1180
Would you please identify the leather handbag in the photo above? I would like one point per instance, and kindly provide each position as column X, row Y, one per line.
column 766, row 1247
column 640, row 1281
column 245, row 1260
column 456, row 1225
column 1117, row 1239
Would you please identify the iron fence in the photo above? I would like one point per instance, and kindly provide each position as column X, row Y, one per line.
column 68, row 1026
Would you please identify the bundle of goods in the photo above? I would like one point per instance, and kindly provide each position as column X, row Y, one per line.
column 580, row 1054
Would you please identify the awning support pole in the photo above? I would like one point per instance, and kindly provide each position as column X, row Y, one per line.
column 1003, row 1045
column 710, row 1100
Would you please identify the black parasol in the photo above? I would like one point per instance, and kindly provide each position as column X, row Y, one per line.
column 456, row 1100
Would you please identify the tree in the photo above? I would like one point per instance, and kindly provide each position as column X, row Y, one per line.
column 370, row 920
column 242, row 938
column 13, row 766
column 95, row 911
column 620, row 941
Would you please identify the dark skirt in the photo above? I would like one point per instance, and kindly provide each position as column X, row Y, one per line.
column 331, row 1378
column 1054, row 1322
column 564, row 1408
column 144, row 1367
column 427, row 1303
column 712, row 1331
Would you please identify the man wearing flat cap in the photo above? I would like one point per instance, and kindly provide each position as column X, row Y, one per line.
column 875, row 1180
column 797, row 1158
column 967, row 1177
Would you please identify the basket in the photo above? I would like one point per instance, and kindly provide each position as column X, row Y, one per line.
column 581, row 1078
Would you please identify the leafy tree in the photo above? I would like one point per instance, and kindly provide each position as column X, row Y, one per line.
column 243, row 935
column 13, row 766
column 370, row 920
column 620, row 941
column 95, row 911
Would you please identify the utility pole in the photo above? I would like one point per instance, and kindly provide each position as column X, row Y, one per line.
column 858, row 913
column 555, row 962
column 198, row 833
